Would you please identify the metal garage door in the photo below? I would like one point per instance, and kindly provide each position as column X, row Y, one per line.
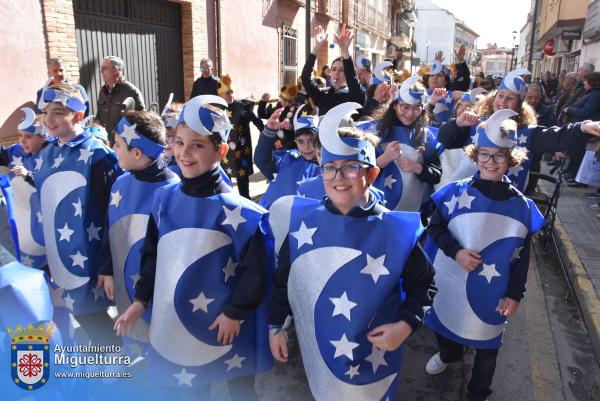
column 146, row 34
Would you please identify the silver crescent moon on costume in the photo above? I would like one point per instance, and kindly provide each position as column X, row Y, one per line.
column 474, row 231
column 29, row 118
column 492, row 128
column 190, row 111
column 164, row 110
column 126, row 232
column 378, row 70
column 41, row 103
column 330, row 140
column 451, row 160
column 320, row 264
column 56, row 188
column 404, row 91
column 23, row 191
column 187, row 350
column 280, row 214
column 412, row 188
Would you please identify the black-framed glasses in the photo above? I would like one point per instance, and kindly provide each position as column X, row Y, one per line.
column 348, row 171
column 169, row 138
column 498, row 158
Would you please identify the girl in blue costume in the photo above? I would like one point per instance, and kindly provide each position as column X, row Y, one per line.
column 479, row 239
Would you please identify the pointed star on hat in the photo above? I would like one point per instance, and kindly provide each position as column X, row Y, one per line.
column 344, row 347
column 77, row 207
column 342, row 306
column 451, row 204
column 376, row 358
column 229, row 270
column 221, row 123
column 375, row 267
column 201, row 302
column 78, row 259
column 304, row 235
column 489, row 272
column 465, row 200
column 115, row 198
column 235, row 362
column 129, row 134
column 38, row 163
column 135, row 277
column 233, row 217
column 65, row 233
column 17, row 161
column 85, row 154
column 389, row 181
column 184, row 377
column 58, row 161
column 93, row 232
column 352, row 371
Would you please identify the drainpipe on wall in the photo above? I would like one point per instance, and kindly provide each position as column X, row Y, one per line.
column 218, row 61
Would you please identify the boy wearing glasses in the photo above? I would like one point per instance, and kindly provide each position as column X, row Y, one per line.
column 341, row 271
column 479, row 238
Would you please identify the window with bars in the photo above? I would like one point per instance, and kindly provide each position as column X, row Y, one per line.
column 289, row 55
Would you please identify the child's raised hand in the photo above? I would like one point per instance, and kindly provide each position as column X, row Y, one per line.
column 228, row 329
column 392, row 152
column 389, row 337
column 320, row 39
column 468, row 259
column 508, row 307
column 410, row 166
column 273, row 121
column 125, row 322
column 278, row 344
column 19, row 171
column 437, row 95
column 108, row 283
column 467, row 119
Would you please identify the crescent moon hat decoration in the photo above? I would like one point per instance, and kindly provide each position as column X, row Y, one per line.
column 29, row 124
column 513, row 82
column 379, row 73
column 363, row 63
column 302, row 124
column 489, row 134
column 437, row 67
column 167, row 108
column 206, row 121
column 52, row 95
column 404, row 94
column 347, row 148
column 136, row 139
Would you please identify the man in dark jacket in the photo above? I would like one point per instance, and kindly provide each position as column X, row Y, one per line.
column 207, row 83
column 112, row 94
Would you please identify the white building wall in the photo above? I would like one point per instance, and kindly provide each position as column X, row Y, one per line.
column 436, row 25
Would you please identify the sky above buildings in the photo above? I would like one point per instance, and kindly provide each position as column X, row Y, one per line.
column 493, row 20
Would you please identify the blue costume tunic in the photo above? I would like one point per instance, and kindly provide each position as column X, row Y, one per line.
column 341, row 286
column 196, row 271
column 465, row 309
column 71, row 212
column 128, row 222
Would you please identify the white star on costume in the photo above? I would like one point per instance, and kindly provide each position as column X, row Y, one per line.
column 65, row 233
column 516, row 253
column 522, row 139
column 183, row 377
column 129, row 133
column 69, row 301
column 489, row 272
column 233, row 217
column 376, row 358
column 303, row 180
column 98, row 293
column 344, row 347
column 85, row 154
column 93, row 231
column 17, row 161
column 515, row 170
column 38, row 163
column 235, row 362
column 221, row 124
column 77, row 207
column 201, row 302
column 115, row 198
column 475, row 138
column 451, row 204
column 135, row 277
column 304, row 235
column 375, row 267
column 39, row 217
column 352, row 371
column 343, row 306
column 78, row 260
column 389, row 181
column 58, row 161
column 57, row 299
column 26, row 260
column 464, row 200
column 229, row 270
column 229, row 171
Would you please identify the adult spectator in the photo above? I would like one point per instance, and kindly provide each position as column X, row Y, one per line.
column 56, row 71
column 534, row 99
column 207, row 83
column 571, row 91
column 112, row 94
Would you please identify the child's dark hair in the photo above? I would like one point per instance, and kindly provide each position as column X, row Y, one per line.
column 352, row 132
column 148, row 124
column 387, row 119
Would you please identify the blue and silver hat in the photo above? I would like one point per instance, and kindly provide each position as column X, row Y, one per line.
column 404, row 94
column 50, row 95
column 513, row 82
column 206, row 121
column 136, row 139
column 489, row 134
column 303, row 123
column 379, row 74
column 363, row 62
column 29, row 124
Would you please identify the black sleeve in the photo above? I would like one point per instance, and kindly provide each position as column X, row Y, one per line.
column 432, row 169
column 518, row 273
column 4, row 160
column 29, row 179
column 104, row 174
column 264, row 110
column 106, row 269
column 252, row 285
column 144, row 288
column 195, row 88
column 279, row 305
column 417, row 283
column 452, row 136
column 556, row 139
column 357, row 93
column 463, row 79
column 439, row 233
column 309, row 86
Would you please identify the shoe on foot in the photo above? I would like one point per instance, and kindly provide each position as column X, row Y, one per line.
column 435, row 366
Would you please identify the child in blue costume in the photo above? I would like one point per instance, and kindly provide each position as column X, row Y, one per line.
column 139, row 144
column 340, row 274
column 287, row 169
column 24, row 162
column 409, row 157
column 73, row 182
column 479, row 240
column 205, row 267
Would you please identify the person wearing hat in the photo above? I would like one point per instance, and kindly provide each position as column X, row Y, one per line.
column 287, row 100
column 381, row 90
column 238, row 162
column 287, row 169
column 204, row 268
column 341, row 269
column 462, row 131
column 24, row 161
column 345, row 86
column 364, row 72
column 479, row 241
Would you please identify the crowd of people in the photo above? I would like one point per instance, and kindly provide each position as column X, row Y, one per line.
column 394, row 201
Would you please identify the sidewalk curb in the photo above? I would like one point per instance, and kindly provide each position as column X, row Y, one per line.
column 587, row 298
